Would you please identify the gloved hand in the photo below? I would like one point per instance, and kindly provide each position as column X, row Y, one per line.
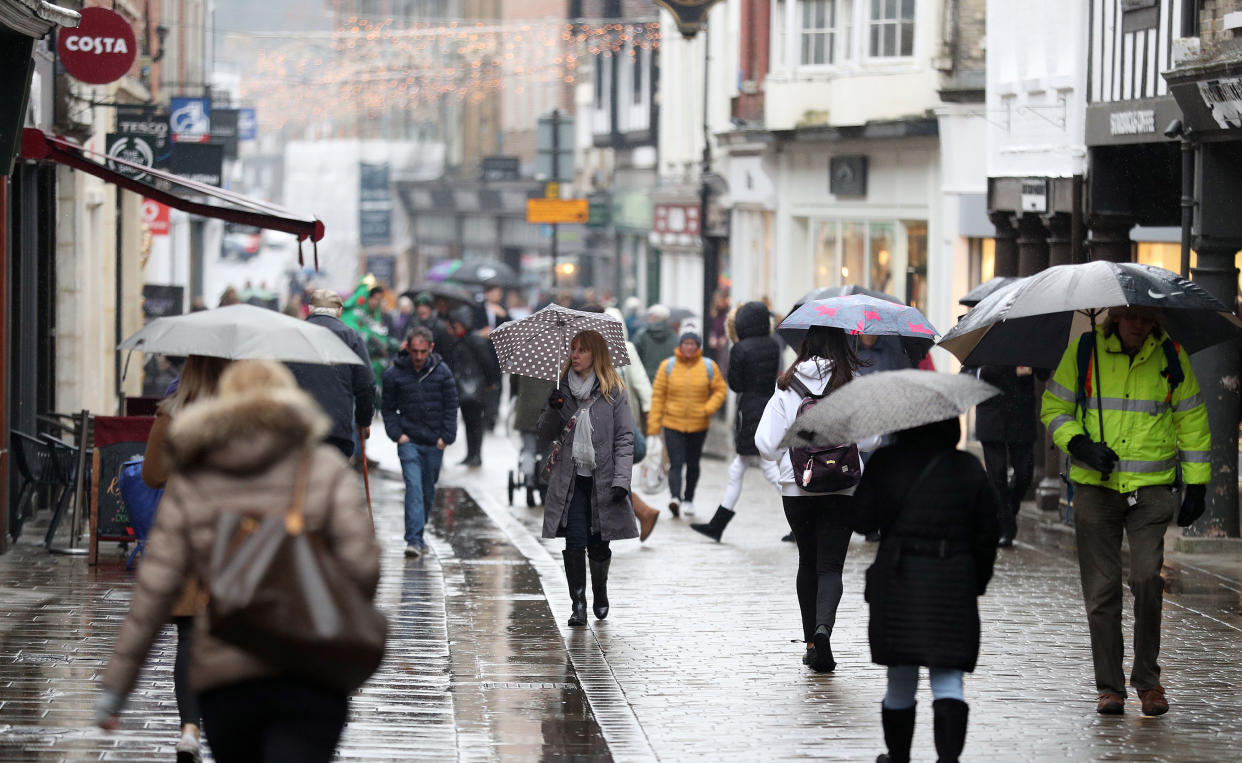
column 1096, row 455
column 107, row 707
column 1194, row 503
column 556, row 399
column 619, row 494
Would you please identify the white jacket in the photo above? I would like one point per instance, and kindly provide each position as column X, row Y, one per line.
column 779, row 415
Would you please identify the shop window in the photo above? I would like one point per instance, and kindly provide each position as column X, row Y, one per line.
column 853, row 257
column 881, row 256
column 916, row 264
column 982, row 261
column 825, row 254
column 892, row 28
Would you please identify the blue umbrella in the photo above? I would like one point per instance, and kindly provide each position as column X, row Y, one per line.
column 859, row 314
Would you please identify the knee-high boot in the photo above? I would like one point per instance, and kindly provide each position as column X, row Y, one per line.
column 898, row 733
column 950, row 728
column 575, row 573
column 599, row 587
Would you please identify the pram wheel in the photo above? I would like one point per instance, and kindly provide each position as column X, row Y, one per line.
column 512, row 486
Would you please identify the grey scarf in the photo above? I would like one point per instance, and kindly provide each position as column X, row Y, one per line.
column 584, row 450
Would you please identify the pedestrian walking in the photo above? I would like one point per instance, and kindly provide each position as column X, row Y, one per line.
column 754, row 364
column 345, row 392
column 588, row 498
column 491, row 314
column 425, row 315
column 198, row 381
column 1005, row 427
column 687, row 391
column 638, row 390
column 420, row 415
column 1130, row 380
column 656, row 341
column 935, row 510
column 475, row 369
column 242, row 451
column 820, row 521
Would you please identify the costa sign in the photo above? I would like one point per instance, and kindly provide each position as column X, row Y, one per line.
column 101, row 50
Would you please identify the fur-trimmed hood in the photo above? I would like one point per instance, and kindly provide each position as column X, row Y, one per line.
column 246, row 433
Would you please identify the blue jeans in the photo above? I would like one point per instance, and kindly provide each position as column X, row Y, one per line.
column 420, row 465
column 903, row 680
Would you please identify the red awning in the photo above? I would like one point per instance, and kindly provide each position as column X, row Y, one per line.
column 175, row 191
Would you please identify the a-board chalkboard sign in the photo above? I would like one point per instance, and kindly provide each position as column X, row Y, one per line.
column 117, row 439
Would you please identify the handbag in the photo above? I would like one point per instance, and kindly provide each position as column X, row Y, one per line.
column 545, row 474
column 279, row 593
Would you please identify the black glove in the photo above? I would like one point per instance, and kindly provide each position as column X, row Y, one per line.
column 619, row 494
column 1193, row 504
column 1097, row 456
column 556, row 399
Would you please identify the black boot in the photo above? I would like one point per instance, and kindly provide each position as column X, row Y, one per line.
column 898, row 733
column 575, row 573
column 715, row 528
column 950, row 729
column 599, row 587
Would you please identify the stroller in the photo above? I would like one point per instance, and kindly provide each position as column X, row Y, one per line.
column 531, row 455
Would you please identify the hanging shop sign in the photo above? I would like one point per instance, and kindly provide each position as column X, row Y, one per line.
column 690, row 15
column 224, row 130
column 156, row 216
column 132, row 147
column 557, row 210
column 1035, row 195
column 200, row 162
column 190, row 120
column 151, row 123
column 247, row 124
column 101, row 50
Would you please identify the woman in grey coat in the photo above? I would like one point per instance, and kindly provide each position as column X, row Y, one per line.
column 588, row 498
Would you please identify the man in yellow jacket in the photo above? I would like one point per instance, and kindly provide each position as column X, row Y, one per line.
column 1155, row 422
column 688, row 389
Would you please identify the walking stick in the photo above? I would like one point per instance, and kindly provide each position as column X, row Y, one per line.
column 366, row 478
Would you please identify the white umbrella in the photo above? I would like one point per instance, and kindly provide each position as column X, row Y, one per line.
column 885, row 402
column 538, row 345
column 242, row 332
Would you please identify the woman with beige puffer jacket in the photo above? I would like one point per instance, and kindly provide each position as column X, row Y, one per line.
column 241, row 451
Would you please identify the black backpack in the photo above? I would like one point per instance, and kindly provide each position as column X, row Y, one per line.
column 820, row 469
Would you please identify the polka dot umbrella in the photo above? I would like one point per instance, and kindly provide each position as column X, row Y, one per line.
column 538, row 345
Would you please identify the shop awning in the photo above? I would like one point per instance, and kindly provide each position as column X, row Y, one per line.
column 35, row 18
column 175, row 191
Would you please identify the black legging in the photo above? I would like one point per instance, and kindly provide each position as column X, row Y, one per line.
column 273, row 719
column 187, row 701
column 821, row 527
column 684, row 448
column 578, row 525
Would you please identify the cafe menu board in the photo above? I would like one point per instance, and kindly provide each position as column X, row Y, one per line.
column 117, row 439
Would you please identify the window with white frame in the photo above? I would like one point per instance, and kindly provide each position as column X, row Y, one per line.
column 892, row 29
column 817, row 32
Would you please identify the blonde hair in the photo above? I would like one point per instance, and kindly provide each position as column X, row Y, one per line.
column 200, row 378
column 248, row 376
column 605, row 372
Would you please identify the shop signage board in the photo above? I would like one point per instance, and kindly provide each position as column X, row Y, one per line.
column 100, row 50
column 247, row 124
column 1034, row 195
column 150, row 122
column 224, row 130
column 131, row 147
column 501, row 168
column 156, row 216
column 375, row 205
column 383, row 267
column 190, row 120
column 557, row 210
column 200, row 162
column 1130, row 122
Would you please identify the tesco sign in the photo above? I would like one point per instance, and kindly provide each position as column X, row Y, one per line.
column 101, row 50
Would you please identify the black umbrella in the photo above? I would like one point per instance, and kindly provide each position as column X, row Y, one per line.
column 1031, row 321
column 486, row 273
column 448, row 291
column 977, row 294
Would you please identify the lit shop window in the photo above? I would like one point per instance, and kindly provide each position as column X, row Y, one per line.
column 873, row 255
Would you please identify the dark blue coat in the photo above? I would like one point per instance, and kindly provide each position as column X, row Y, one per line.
column 345, row 392
column 421, row 405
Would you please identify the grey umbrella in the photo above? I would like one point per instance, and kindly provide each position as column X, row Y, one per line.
column 886, row 402
column 977, row 294
column 538, row 345
column 242, row 332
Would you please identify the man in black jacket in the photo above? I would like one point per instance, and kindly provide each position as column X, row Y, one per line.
column 345, row 392
column 419, row 404
column 476, row 369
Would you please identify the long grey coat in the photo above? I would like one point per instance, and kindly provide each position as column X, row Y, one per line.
column 612, row 429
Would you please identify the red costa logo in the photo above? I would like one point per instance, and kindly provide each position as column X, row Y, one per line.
column 101, row 50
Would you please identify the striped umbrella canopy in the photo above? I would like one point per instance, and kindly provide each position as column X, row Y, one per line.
column 538, row 345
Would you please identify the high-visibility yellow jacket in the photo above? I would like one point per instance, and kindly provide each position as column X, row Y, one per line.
column 1151, row 430
column 683, row 398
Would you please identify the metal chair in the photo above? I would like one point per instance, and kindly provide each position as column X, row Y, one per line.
column 65, row 460
column 36, row 464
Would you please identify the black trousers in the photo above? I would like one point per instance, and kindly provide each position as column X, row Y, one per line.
column 273, row 720
column 187, row 701
column 997, row 458
column 578, row 525
column 821, row 527
column 684, row 449
column 472, row 417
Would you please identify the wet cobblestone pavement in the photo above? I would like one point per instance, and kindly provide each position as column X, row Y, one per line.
column 694, row 662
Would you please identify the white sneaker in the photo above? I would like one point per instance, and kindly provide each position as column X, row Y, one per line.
column 687, row 508
column 413, row 551
column 188, row 749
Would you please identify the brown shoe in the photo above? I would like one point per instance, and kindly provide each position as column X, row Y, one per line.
column 1153, row 701
column 1110, row 704
column 647, row 517
column 674, row 507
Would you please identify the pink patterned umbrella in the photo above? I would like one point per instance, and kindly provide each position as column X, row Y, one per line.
column 858, row 314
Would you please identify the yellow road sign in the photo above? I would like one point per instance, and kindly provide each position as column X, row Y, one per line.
column 557, row 210
column 552, row 190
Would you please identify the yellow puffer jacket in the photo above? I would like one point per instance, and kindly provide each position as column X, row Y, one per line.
column 683, row 399
column 1152, row 432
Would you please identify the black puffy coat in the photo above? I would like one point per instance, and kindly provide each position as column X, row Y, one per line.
column 345, row 392
column 421, row 405
column 936, row 553
column 754, row 363
column 474, row 366
column 1011, row 415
